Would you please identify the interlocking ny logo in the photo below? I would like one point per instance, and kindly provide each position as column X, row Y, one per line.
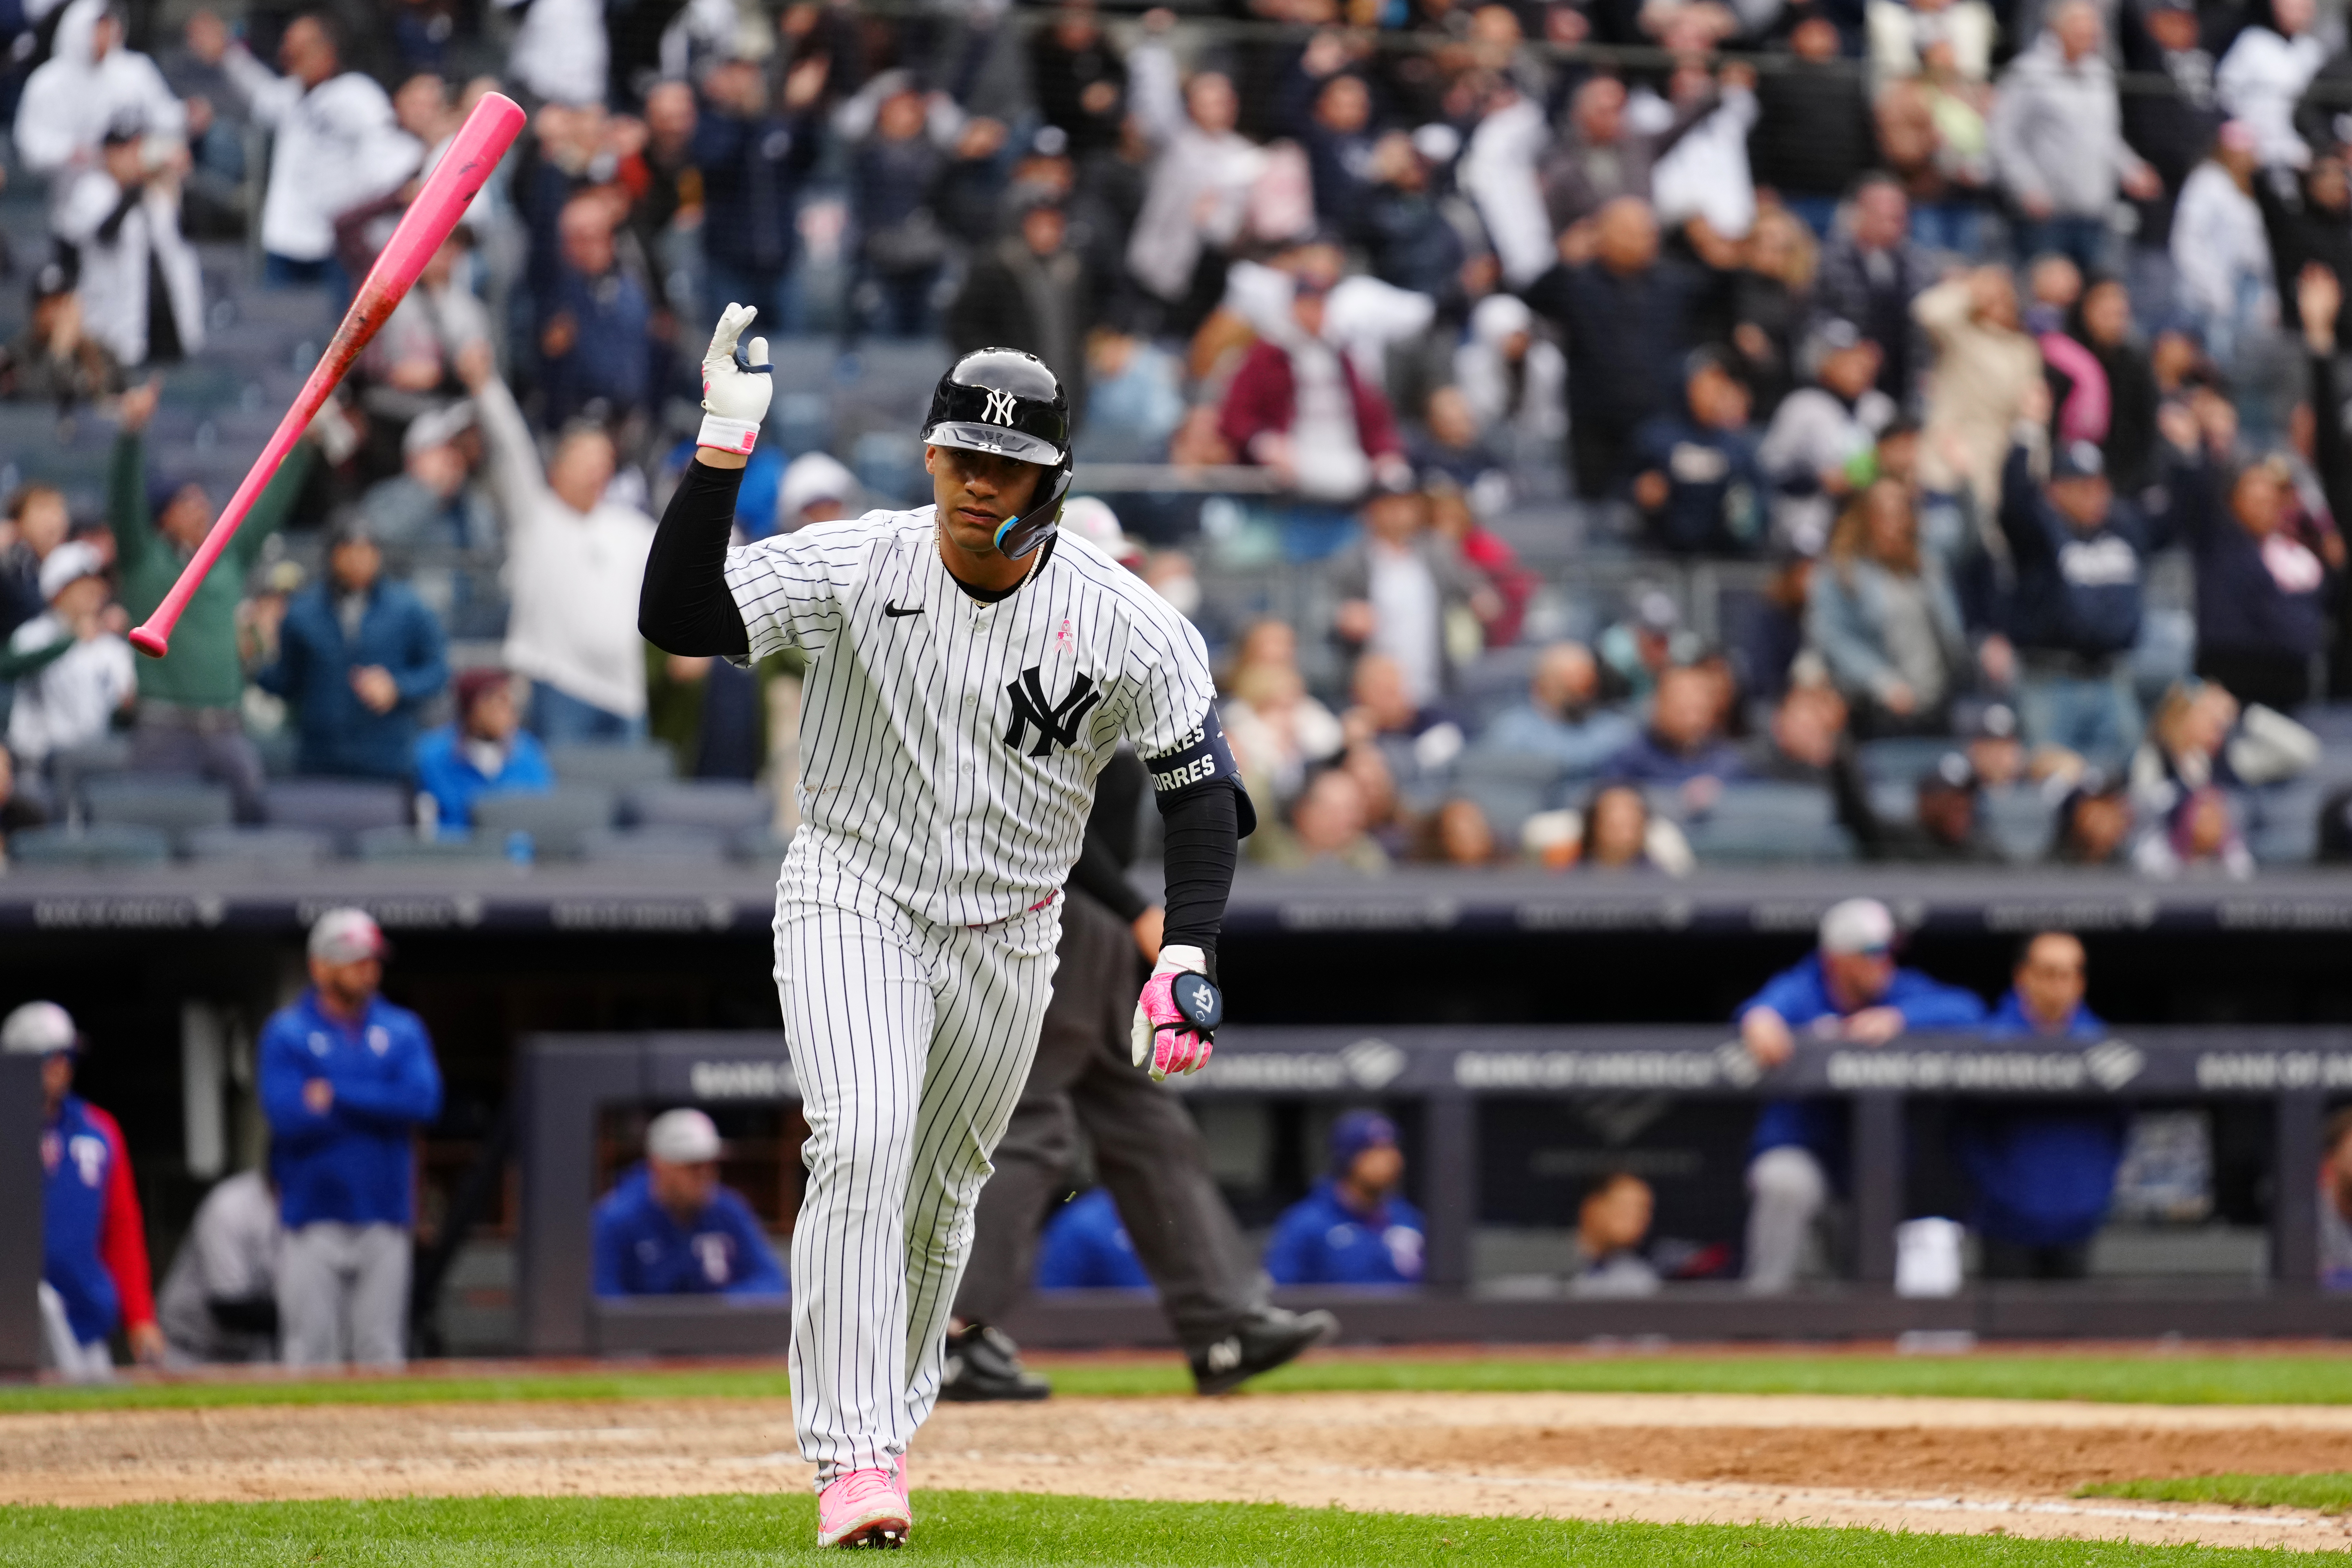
column 1056, row 724
column 999, row 408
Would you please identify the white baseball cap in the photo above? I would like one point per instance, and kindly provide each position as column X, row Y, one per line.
column 1094, row 521
column 812, row 477
column 346, row 936
column 39, row 1029
column 1858, row 925
column 68, row 563
column 682, row 1137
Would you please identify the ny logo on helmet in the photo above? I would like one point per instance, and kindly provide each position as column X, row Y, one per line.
column 1056, row 723
column 999, row 408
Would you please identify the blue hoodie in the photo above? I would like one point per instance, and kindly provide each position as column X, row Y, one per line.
column 2043, row 1174
column 1319, row 1240
column 640, row 1250
column 2078, row 591
column 446, row 772
column 1801, row 996
column 1085, row 1247
column 353, row 1163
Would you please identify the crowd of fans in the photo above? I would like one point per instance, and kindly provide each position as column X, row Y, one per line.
column 1949, row 318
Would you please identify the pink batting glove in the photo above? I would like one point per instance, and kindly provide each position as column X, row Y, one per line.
column 1176, row 1018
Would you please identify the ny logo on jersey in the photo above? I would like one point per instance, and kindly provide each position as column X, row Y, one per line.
column 1056, row 723
column 999, row 408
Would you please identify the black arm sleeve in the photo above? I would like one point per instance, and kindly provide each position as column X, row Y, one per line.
column 1098, row 873
column 685, row 607
column 1202, row 829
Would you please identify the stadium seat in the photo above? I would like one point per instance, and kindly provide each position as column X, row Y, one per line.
column 74, row 766
column 340, row 810
column 2281, row 821
column 2022, row 821
column 1509, row 788
column 765, row 846
column 668, row 843
column 117, row 847
column 275, row 849
column 1902, row 758
column 379, row 844
column 1762, row 823
column 170, row 805
column 721, row 806
column 617, row 767
column 556, row 821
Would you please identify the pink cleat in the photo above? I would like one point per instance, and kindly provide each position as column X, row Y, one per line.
column 905, row 1486
column 864, row 1508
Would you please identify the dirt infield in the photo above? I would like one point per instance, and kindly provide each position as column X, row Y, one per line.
column 1924, row 1465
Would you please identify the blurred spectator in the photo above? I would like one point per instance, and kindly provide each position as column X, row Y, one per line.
column 575, row 558
column 67, row 697
column 2262, row 594
column 1399, row 586
column 2199, row 833
column 1079, row 78
column 815, row 487
column 1450, row 451
column 413, row 359
column 1412, row 243
column 2200, row 737
column 88, row 85
column 1763, row 303
column 2336, row 1202
column 594, row 323
column 1870, row 275
column 1511, row 586
column 1417, row 741
column 1278, row 732
column 1327, row 828
column 1818, row 430
column 36, row 523
column 1934, row 140
column 1701, row 188
column 1985, row 371
column 1945, row 828
column 433, row 500
column 94, row 1272
column 2171, row 130
column 1459, row 834
column 1902, row 35
column 335, row 146
column 140, row 294
column 1511, row 380
column 1616, row 831
column 1851, row 990
column 1355, row 1227
column 346, row 1079
column 899, row 169
column 752, row 161
column 1814, row 133
column 485, row 751
column 2095, row 822
column 1699, row 479
column 2043, row 1174
column 211, row 205
column 1029, row 290
column 1561, row 720
column 1882, row 612
column 2057, row 141
column 1195, row 205
column 2308, row 218
column 56, row 359
column 1683, row 742
column 2103, row 323
column 1298, row 407
column 357, row 656
column 2078, row 554
column 219, row 1300
column 1611, row 1223
column 1135, row 400
column 1085, row 1246
column 1600, row 156
column 18, row 807
column 1801, row 743
column 2263, row 75
column 1624, row 316
column 1635, row 650
column 669, row 1227
column 1338, row 134
column 2221, row 249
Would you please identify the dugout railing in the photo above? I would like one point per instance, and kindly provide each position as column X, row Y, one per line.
column 1438, row 1077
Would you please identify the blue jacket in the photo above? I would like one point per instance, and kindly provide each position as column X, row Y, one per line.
column 2240, row 607
column 640, row 1250
column 1319, row 1240
column 81, row 1160
column 313, row 671
column 751, row 172
column 1085, row 1247
column 351, row 1165
column 1716, row 488
column 2042, row 1173
column 1801, row 996
column 1577, row 746
column 610, row 356
column 1644, row 760
column 2078, row 591
column 450, row 777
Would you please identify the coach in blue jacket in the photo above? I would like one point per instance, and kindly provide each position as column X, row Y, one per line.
column 1850, row 990
column 1085, row 1246
column 357, row 656
column 346, row 1079
column 2043, row 1174
column 1354, row 1228
column 668, row 1229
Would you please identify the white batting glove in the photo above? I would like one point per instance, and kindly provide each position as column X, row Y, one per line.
column 1176, row 1018
column 734, row 399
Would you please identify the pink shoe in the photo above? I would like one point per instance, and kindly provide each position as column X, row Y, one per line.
column 864, row 1508
column 903, row 1486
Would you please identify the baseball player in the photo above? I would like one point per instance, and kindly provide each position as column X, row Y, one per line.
column 1146, row 1148
column 94, row 1271
column 969, row 673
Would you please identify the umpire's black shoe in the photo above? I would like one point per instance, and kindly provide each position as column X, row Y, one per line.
column 1259, row 1343
column 983, row 1364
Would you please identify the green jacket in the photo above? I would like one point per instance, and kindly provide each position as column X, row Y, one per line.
column 203, row 669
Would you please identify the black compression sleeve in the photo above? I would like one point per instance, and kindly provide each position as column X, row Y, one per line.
column 685, row 607
column 1203, row 828
column 1098, row 873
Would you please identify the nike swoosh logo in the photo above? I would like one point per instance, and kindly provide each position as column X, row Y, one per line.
column 894, row 612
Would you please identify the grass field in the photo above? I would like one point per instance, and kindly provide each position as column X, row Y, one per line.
column 999, row 1529
column 2329, row 1491
column 2185, row 1379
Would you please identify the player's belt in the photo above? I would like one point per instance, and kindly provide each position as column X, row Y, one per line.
column 983, row 925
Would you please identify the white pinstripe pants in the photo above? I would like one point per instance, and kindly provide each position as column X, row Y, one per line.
column 911, row 1042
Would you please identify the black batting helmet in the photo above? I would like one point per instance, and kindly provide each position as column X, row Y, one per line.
column 1008, row 403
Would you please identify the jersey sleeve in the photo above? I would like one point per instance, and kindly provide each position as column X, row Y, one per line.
column 122, row 1231
column 1171, row 716
column 789, row 588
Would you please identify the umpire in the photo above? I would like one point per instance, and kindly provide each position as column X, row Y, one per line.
column 1145, row 1147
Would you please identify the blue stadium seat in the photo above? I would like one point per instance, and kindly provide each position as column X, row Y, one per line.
column 557, row 821
column 1509, row 788
column 2021, row 820
column 1761, row 823
column 618, row 767
column 1901, row 757
column 669, row 843
column 717, row 805
column 260, row 848
column 379, row 844
column 339, row 810
column 171, row 805
column 117, row 847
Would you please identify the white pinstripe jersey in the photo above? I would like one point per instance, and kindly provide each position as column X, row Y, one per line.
column 949, row 748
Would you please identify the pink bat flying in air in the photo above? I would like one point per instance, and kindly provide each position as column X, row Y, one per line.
column 480, row 142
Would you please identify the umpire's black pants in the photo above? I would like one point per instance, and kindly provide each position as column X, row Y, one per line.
column 1145, row 1148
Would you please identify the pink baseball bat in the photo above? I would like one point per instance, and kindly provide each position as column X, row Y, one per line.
column 480, row 143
